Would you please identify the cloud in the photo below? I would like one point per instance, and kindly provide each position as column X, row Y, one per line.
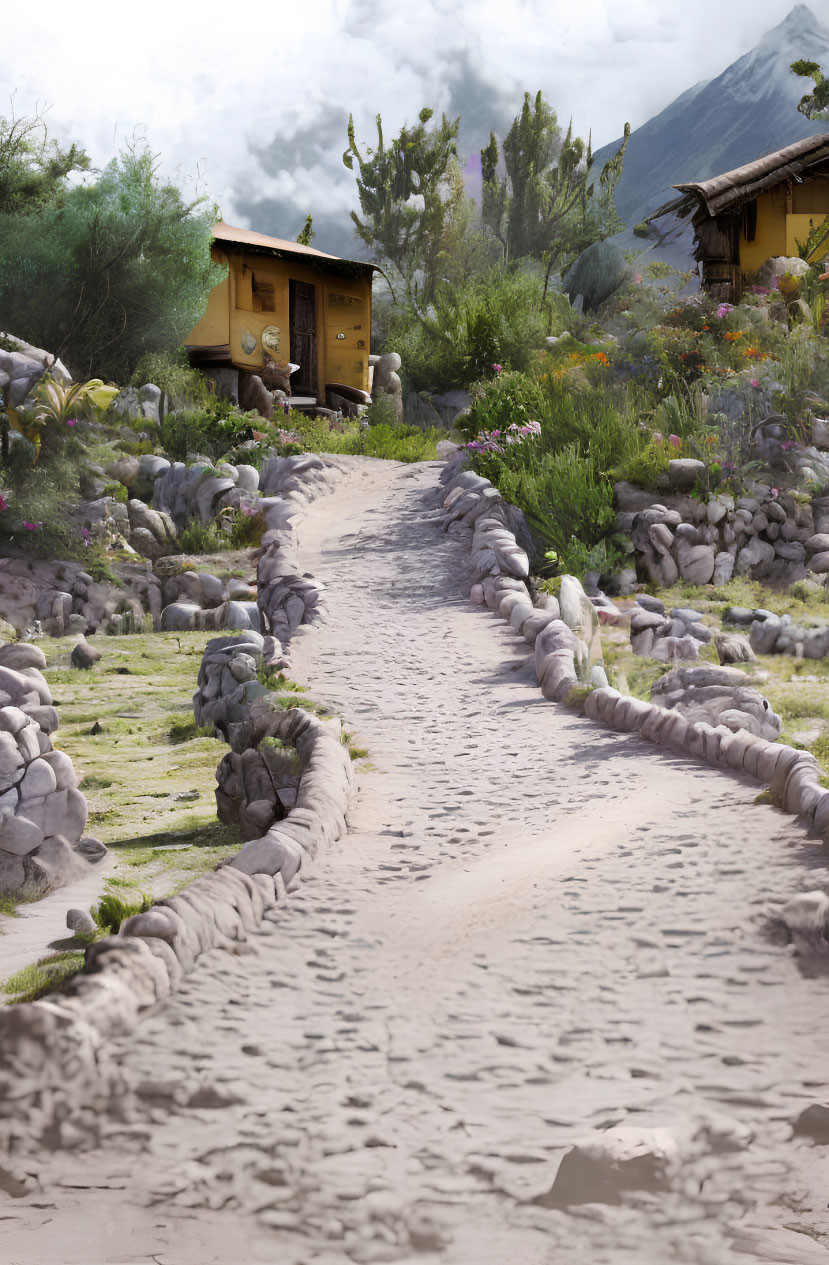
column 262, row 109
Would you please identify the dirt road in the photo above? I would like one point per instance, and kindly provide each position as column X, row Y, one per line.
column 535, row 929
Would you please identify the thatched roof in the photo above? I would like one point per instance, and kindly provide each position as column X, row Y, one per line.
column 730, row 190
column 279, row 248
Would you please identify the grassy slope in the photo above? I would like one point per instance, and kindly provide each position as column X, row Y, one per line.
column 148, row 777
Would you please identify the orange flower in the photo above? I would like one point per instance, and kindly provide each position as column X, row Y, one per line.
column 733, row 336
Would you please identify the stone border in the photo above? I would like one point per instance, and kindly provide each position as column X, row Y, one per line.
column 55, row 1044
column 474, row 509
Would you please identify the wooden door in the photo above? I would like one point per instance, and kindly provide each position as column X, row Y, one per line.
column 302, row 318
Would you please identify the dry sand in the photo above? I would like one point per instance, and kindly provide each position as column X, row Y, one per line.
column 536, row 928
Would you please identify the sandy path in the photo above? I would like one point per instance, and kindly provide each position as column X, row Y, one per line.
column 536, row 928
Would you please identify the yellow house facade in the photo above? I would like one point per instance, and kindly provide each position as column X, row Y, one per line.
column 286, row 303
column 753, row 213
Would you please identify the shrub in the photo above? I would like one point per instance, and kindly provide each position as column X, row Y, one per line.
column 493, row 318
column 171, row 372
column 111, row 911
column 127, row 245
column 210, row 430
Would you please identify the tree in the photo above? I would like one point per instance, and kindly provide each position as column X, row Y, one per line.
column 33, row 166
column 409, row 197
column 815, row 105
column 306, row 234
column 542, row 203
column 110, row 270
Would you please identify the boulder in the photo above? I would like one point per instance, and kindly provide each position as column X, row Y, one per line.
column 600, row 1169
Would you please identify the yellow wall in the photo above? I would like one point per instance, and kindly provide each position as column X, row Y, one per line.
column 778, row 228
column 770, row 236
column 212, row 329
column 343, row 306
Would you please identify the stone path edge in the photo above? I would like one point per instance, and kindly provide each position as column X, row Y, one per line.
column 499, row 568
column 60, row 1039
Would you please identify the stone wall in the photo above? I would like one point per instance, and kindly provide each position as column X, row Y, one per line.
column 777, row 536
column 42, row 812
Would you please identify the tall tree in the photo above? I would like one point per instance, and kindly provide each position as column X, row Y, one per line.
column 541, row 201
column 409, row 196
column 815, row 104
column 33, row 166
column 109, row 271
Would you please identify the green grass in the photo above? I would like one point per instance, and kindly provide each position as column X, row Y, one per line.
column 43, row 976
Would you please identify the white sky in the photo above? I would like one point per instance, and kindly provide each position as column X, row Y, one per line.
column 259, row 105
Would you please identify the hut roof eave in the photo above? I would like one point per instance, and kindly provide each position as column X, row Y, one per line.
column 731, row 189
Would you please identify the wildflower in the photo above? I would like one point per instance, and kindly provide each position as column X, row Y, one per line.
column 637, row 278
column 33, row 526
column 706, row 327
column 754, row 382
column 774, row 493
column 729, row 466
column 497, row 368
column 788, row 445
column 723, row 310
column 4, row 505
column 71, row 421
column 86, row 537
column 675, row 441
column 657, row 437
column 733, row 336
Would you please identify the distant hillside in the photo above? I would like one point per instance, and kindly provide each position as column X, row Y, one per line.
column 747, row 111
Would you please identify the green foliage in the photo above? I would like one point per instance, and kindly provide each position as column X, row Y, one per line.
column 171, row 372
column 198, row 539
column 409, row 193
column 43, row 976
column 111, row 911
column 493, row 318
column 815, row 104
column 545, row 205
column 33, row 167
column 210, row 430
column 306, row 234
column 119, row 267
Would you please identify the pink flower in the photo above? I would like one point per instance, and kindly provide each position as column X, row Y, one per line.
column 637, row 278
column 723, row 310
column 72, row 421
column 774, row 493
column 754, row 382
column 497, row 368
column 657, row 436
column 675, row 441
column 4, row 505
column 33, row 526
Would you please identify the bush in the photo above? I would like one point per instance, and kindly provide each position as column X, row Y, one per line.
column 210, row 430
column 494, row 318
column 111, row 911
column 110, row 270
column 183, row 386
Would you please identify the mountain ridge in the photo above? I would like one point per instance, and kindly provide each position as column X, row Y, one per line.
column 748, row 110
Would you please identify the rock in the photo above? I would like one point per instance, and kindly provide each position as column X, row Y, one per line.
column 696, row 563
column 649, row 603
column 83, row 655
column 22, row 654
column 813, row 1122
column 819, row 563
column 595, row 275
column 723, row 568
column 601, row 1169
column 80, row 921
column 683, row 473
column 732, row 648
column 18, row 834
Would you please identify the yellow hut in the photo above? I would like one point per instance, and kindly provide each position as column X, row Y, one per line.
column 284, row 302
column 766, row 208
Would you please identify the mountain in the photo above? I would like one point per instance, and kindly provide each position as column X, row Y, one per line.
column 747, row 111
